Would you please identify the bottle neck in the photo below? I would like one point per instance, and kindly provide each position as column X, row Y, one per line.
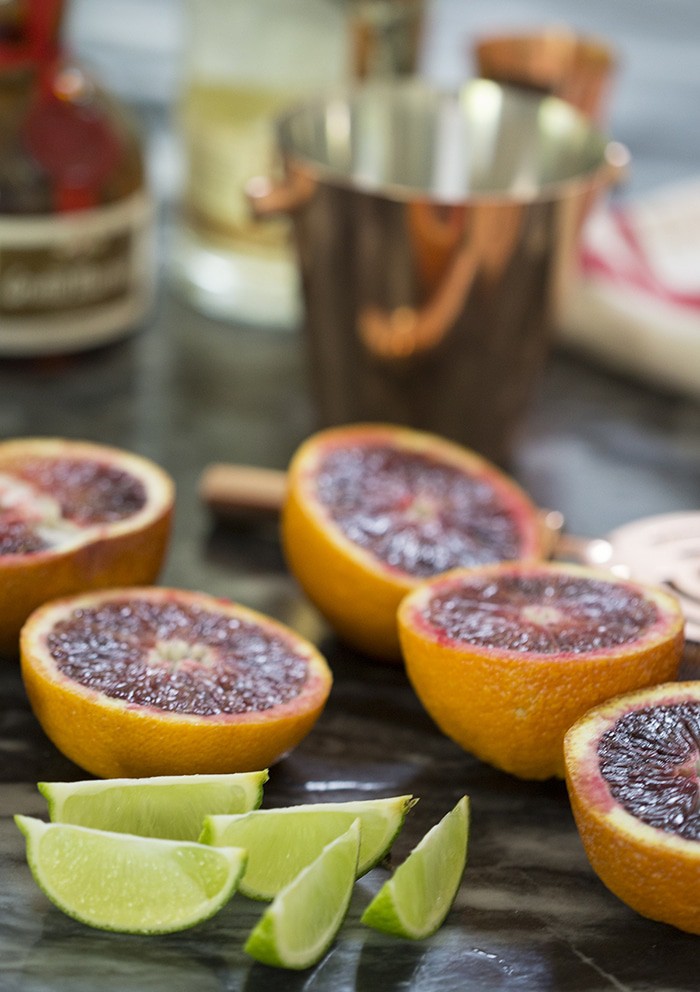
column 18, row 84
column 30, row 32
column 30, row 43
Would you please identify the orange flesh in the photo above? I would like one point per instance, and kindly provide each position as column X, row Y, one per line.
column 348, row 540
column 536, row 613
column 415, row 514
column 189, row 650
column 649, row 760
column 87, row 493
column 176, row 657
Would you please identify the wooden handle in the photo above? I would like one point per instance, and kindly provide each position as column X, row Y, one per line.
column 235, row 491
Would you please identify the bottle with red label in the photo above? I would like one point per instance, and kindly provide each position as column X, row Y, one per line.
column 77, row 264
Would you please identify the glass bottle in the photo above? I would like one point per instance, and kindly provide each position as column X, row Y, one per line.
column 245, row 61
column 76, row 219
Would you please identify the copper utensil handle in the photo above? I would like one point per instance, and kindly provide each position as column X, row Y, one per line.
column 237, row 491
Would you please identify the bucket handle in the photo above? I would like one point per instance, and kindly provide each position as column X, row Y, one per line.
column 269, row 198
column 408, row 331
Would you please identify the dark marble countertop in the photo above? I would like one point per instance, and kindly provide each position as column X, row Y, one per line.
column 530, row 915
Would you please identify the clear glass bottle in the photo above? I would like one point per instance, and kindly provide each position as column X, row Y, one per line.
column 244, row 61
column 76, row 220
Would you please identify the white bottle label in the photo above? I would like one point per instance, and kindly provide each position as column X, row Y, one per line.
column 75, row 280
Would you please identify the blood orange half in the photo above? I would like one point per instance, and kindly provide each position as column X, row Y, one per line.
column 372, row 510
column 75, row 516
column 507, row 657
column 150, row 681
column 633, row 775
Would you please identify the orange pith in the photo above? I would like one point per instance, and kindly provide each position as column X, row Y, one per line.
column 129, row 551
column 354, row 589
column 115, row 737
column 509, row 707
column 655, row 872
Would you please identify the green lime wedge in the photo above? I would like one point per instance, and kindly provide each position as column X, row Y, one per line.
column 416, row 899
column 129, row 884
column 171, row 807
column 280, row 842
column 298, row 927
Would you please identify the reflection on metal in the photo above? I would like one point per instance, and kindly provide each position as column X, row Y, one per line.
column 435, row 234
column 660, row 550
column 664, row 550
column 445, row 270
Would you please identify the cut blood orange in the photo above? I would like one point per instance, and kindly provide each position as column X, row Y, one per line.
column 75, row 516
column 507, row 657
column 372, row 510
column 633, row 775
column 149, row 681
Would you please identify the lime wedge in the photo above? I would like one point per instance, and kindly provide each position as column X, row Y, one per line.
column 171, row 807
column 299, row 926
column 416, row 899
column 280, row 842
column 130, row 884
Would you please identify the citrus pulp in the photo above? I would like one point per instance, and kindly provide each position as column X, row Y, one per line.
column 126, row 883
column 172, row 807
column 280, row 842
column 415, row 901
column 299, row 926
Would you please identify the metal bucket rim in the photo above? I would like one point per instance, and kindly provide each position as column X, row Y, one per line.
column 611, row 159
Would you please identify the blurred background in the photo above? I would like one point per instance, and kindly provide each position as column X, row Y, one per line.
column 138, row 49
column 609, row 437
column 655, row 99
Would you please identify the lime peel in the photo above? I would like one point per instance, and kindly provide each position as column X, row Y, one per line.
column 167, row 806
column 129, row 884
column 415, row 901
column 301, row 923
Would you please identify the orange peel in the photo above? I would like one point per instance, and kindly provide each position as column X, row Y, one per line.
column 504, row 682
column 89, row 705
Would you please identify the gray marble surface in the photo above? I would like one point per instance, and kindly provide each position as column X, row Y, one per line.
column 530, row 916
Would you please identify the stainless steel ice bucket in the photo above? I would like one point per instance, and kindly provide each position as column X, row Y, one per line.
column 435, row 235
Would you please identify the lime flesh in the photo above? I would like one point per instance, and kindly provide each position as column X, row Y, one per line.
column 280, row 842
column 171, row 807
column 129, row 884
column 416, row 899
column 298, row 927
